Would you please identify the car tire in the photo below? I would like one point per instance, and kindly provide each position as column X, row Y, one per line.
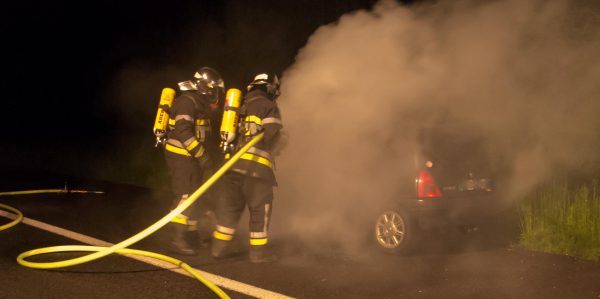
column 395, row 232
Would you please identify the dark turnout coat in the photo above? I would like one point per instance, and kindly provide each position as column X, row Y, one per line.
column 261, row 114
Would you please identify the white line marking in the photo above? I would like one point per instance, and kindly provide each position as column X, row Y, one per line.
column 221, row 281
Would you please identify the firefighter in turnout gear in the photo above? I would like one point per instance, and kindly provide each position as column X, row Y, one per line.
column 186, row 153
column 251, row 180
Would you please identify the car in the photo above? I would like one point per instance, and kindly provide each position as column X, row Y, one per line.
column 453, row 184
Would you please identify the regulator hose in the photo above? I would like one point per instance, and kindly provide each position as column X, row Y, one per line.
column 120, row 248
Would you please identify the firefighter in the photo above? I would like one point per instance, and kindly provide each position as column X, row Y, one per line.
column 251, row 180
column 186, row 154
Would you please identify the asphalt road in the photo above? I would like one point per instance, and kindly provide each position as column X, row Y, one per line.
column 466, row 266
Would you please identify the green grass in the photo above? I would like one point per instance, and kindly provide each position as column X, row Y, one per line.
column 558, row 218
column 129, row 160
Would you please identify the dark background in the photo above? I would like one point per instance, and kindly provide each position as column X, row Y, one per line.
column 67, row 105
column 61, row 57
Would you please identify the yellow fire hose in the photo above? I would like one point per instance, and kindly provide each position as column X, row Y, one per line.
column 65, row 190
column 120, row 248
column 15, row 221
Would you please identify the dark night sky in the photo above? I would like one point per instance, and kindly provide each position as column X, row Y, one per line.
column 81, row 79
column 61, row 56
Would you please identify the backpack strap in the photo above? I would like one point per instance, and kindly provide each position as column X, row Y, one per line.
column 192, row 98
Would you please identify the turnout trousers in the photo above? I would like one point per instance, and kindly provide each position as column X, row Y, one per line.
column 186, row 176
column 240, row 191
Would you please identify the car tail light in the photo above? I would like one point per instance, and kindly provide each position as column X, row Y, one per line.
column 426, row 186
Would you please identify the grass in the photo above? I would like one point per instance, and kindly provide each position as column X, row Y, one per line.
column 561, row 219
column 129, row 160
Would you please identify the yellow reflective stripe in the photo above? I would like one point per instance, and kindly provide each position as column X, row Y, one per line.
column 184, row 117
column 222, row 236
column 256, row 151
column 171, row 122
column 200, row 152
column 175, row 142
column 177, row 150
column 192, row 145
column 179, row 220
column 258, row 235
column 254, row 119
column 225, row 230
column 262, row 241
column 192, row 225
column 255, row 158
column 202, row 122
column 271, row 120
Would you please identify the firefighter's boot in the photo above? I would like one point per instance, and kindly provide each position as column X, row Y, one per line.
column 206, row 225
column 218, row 248
column 179, row 243
column 259, row 254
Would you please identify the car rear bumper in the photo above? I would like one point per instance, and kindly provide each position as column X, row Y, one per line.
column 431, row 213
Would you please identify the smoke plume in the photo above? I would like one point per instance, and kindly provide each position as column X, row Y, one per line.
column 522, row 73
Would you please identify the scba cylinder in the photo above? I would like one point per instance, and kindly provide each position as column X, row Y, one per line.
column 162, row 115
column 230, row 118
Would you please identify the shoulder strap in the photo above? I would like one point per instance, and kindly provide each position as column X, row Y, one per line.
column 254, row 98
column 191, row 98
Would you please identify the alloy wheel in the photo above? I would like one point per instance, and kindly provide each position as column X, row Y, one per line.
column 390, row 230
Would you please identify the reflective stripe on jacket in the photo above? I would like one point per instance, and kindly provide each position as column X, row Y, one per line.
column 262, row 115
column 189, row 125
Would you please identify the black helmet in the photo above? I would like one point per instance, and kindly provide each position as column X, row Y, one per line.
column 208, row 82
column 267, row 82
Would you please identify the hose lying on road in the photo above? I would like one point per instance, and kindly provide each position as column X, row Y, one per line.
column 65, row 190
column 100, row 252
column 18, row 218
column 19, row 215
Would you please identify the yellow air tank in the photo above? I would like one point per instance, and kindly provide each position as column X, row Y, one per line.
column 230, row 118
column 162, row 115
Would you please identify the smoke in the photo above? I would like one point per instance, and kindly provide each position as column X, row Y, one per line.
column 522, row 73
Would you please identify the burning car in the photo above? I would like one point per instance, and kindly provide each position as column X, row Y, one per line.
column 453, row 184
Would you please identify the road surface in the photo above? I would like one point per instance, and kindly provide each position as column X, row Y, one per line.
column 470, row 267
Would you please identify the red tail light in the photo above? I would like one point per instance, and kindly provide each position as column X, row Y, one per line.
column 426, row 186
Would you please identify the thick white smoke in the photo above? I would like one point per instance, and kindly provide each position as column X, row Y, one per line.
column 522, row 72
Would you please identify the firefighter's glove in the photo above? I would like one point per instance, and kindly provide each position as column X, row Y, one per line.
column 205, row 162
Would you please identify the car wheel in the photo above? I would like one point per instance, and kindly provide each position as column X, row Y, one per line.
column 394, row 232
